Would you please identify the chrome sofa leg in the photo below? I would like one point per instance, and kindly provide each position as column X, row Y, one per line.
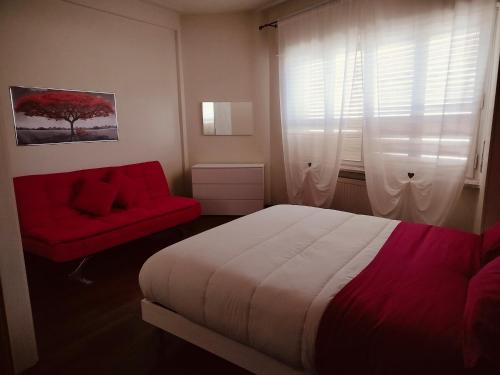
column 77, row 274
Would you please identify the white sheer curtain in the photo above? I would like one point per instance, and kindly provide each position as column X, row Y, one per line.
column 410, row 73
column 317, row 68
column 424, row 65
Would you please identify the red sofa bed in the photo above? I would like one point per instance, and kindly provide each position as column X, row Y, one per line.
column 53, row 227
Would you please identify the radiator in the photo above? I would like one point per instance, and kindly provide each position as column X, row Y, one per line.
column 351, row 196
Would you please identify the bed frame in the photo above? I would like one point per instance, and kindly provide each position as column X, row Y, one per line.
column 232, row 351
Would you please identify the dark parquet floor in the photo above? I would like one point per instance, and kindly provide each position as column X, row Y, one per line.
column 97, row 329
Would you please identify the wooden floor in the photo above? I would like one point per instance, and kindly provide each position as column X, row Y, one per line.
column 97, row 329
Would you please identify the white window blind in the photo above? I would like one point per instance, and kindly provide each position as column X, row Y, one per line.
column 312, row 80
column 349, row 80
column 449, row 87
column 397, row 86
column 451, row 74
column 394, row 74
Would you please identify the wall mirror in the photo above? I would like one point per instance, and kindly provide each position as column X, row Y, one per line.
column 227, row 118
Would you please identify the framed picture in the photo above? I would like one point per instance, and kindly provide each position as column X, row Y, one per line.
column 48, row 116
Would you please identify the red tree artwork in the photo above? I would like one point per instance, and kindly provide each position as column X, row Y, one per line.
column 63, row 105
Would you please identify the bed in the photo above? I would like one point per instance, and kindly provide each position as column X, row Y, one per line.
column 294, row 289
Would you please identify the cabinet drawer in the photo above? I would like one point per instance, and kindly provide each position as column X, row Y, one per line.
column 230, row 206
column 228, row 191
column 227, row 175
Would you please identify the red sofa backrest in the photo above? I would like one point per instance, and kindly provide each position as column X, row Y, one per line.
column 42, row 197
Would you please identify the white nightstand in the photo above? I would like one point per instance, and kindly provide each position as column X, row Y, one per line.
column 228, row 189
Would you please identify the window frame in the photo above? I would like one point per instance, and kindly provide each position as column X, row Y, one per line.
column 478, row 155
column 480, row 138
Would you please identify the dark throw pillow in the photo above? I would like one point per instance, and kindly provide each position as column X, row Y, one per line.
column 482, row 317
column 95, row 198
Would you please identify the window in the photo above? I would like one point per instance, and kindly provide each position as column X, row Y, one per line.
column 321, row 93
column 447, row 88
column 455, row 97
column 394, row 78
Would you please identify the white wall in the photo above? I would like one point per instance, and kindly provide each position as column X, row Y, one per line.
column 13, row 275
column 58, row 44
column 123, row 46
column 224, row 59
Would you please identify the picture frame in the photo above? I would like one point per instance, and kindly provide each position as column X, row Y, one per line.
column 52, row 116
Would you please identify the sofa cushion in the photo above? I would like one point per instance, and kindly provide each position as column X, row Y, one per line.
column 76, row 226
column 38, row 196
column 64, row 251
column 95, row 198
column 169, row 204
column 128, row 189
column 149, row 178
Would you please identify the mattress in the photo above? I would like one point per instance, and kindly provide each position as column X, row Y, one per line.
column 265, row 279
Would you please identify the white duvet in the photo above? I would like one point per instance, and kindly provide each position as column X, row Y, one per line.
column 266, row 278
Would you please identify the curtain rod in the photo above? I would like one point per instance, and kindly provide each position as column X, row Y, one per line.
column 304, row 10
column 275, row 22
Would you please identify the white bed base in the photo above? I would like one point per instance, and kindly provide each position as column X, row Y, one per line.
column 232, row 351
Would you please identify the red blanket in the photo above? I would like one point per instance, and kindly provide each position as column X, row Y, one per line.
column 403, row 313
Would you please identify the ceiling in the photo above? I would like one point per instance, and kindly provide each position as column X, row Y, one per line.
column 214, row 6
